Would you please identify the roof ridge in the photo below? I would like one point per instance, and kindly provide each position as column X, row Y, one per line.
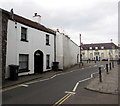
column 29, row 22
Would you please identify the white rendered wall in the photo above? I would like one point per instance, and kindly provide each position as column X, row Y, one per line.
column 36, row 41
column 66, row 50
column 70, row 52
column 59, row 49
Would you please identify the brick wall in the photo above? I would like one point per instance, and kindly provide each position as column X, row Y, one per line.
column 4, row 42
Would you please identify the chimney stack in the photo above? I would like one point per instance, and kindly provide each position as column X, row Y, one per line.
column 37, row 18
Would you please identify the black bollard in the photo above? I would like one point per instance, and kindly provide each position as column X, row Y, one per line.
column 107, row 68
column 110, row 65
column 100, row 76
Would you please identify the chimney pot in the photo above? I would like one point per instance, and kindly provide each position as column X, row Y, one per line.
column 37, row 18
column 35, row 14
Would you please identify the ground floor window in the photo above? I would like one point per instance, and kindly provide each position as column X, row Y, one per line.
column 23, row 62
column 102, row 55
column 48, row 61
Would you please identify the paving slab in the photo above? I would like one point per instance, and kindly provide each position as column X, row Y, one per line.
column 109, row 82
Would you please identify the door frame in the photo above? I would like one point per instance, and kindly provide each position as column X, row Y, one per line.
column 38, row 61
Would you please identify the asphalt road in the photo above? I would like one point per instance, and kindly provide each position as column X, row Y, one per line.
column 84, row 96
column 48, row 91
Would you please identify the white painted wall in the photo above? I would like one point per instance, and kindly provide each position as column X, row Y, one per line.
column 67, row 51
column 59, row 49
column 36, row 41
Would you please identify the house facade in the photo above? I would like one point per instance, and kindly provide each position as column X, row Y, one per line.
column 32, row 46
column 67, row 52
column 100, row 51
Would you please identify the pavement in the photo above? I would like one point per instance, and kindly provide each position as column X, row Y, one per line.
column 109, row 84
column 27, row 78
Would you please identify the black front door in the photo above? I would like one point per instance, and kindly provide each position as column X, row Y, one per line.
column 38, row 61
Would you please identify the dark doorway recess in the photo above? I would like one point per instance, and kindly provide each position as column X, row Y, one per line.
column 38, row 61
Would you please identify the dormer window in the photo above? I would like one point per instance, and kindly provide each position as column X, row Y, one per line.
column 102, row 47
column 90, row 48
column 96, row 47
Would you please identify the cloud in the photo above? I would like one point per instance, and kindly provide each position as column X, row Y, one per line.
column 96, row 20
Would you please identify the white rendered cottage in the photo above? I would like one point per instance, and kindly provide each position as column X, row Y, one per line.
column 29, row 45
column 33, row 47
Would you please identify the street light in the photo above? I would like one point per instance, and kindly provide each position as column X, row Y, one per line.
column 80, row 52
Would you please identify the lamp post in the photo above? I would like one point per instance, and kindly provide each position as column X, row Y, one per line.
column 80, row 52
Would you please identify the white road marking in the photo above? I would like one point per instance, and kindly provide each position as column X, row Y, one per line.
column 44, row 79
column 23, row 85
column 91, row 76
column 95, row 73
column 83, row 68
column 74, row 89
column 53, row 76
column 31, row 82
column 85, row 79
column 69, row 92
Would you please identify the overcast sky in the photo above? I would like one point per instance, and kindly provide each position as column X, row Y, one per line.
column 96, row 20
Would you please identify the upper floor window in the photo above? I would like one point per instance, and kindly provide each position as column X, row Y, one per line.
column 102, row 47
column 23, row 34
column 47, row 39
column 96, row 47
column 90, row 48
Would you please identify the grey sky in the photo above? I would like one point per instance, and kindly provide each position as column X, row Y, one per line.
column 96, row 20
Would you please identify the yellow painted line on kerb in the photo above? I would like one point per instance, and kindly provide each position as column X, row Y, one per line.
column 62, row 100
column 9, row 88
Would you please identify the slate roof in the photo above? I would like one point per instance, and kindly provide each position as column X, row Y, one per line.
column 99, row 45
column 28, row 22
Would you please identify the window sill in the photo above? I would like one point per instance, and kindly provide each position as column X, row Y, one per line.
column 23, row 70
column 24, row 40
column 47, row 44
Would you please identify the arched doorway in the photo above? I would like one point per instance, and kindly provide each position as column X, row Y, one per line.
column 38, row 61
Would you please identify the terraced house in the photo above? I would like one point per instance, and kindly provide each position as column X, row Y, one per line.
column 100, row 51
column 30, row 45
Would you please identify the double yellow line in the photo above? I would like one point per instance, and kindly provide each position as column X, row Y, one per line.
column 9, row 88
column 62, row 100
